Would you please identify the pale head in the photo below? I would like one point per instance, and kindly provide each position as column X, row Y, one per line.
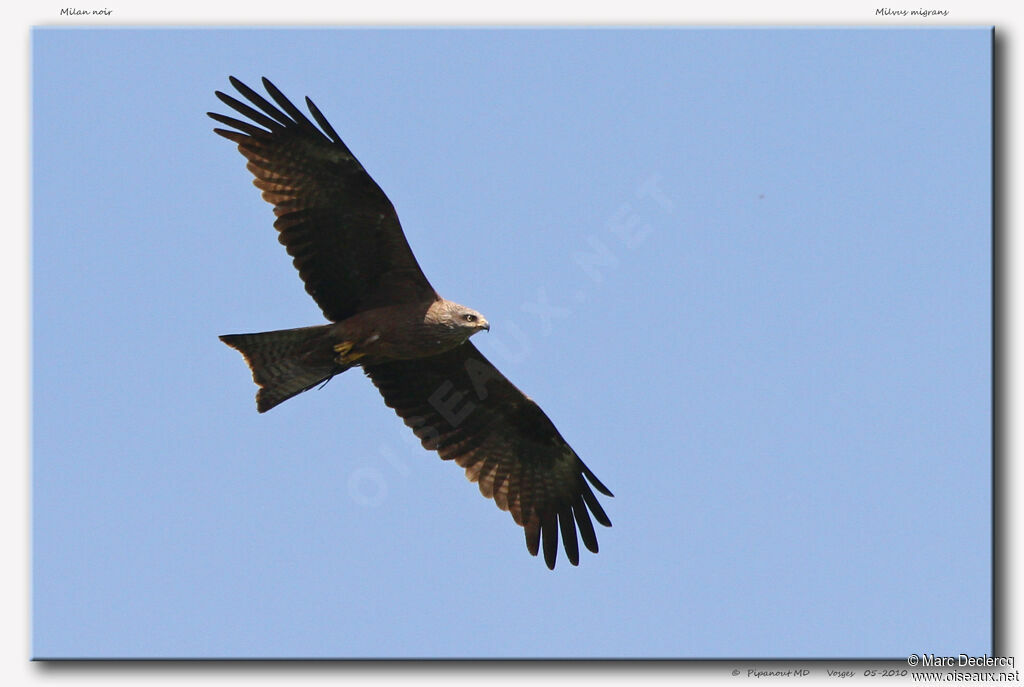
column 454, row 322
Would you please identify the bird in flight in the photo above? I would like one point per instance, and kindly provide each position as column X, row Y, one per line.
column 345, row 239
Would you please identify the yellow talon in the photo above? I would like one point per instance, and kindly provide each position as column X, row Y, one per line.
column 343, row 349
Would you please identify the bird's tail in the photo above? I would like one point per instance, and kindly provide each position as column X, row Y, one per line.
column 286, row 362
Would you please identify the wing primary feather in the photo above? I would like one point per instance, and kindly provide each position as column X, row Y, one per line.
column 569, row 543
column 232, row 136
column 586, row 528
column 322, row 121
column 595, row 507
column 260, row 102
column 532, row 529
column 549, row 536
column 245, row 127
column 253, row 114
column 592, row 478
column 287, row 105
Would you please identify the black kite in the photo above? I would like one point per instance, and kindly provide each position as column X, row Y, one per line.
column 345, row 239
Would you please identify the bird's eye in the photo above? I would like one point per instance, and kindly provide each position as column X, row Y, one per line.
column 469, row 318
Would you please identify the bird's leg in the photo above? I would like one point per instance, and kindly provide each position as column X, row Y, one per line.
column 346, row 356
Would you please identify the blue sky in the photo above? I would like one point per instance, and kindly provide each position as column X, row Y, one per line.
column 745, row 272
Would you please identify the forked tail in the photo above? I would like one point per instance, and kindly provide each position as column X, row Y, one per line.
column 286, row 362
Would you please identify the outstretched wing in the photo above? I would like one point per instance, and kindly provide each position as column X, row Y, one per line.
column 337, row 224
column 461, row 406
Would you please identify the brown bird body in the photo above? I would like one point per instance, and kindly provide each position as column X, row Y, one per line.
column 290, row 361
column 346, row 242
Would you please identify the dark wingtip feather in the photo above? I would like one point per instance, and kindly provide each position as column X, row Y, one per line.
column 592, row 478
column 259, row 101
column 322, row 121
column 586, row 527
column 232, row 136
column 569, row 542
column 287, row 105
column 532, row 529
column 250, row 112
column 245, row 127
column 594, row 506
column 549, row 536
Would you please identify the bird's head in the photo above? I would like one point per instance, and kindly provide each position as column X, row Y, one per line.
column 458, row 320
